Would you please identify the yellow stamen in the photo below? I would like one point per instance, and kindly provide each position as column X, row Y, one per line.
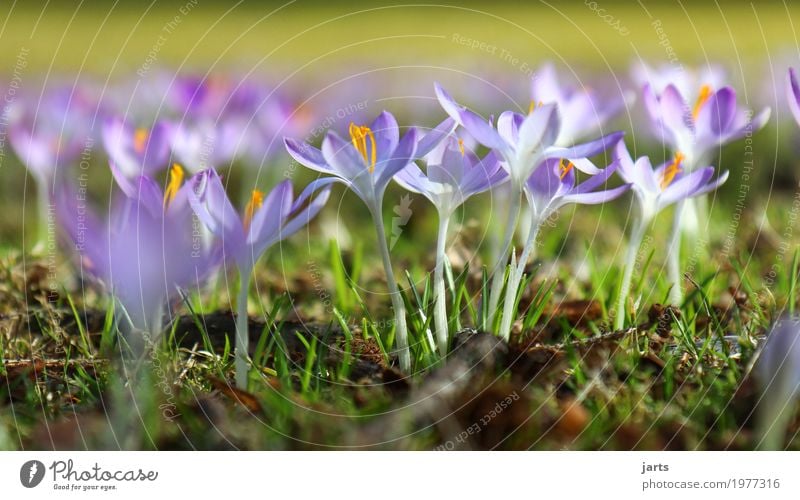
column 461, row 146
column 256, row 199
column 174, row 184
column 705, row 93
column 564, row 168
column 533, row 105
column 359, row 135
column 140, row 137
column 672, row 170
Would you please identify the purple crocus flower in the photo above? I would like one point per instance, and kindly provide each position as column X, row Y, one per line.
column 266, row 221
column 793, row 94
column 206, row 144
column 689, row 81
column 697, row 130
column 366, row 164
column 453, row 175
column 144, row 251
column 583, row 113
column 550, row 187
column 137, row 151
column 523, row 142
column 694, row 133
column 655, row 190
column 49, row 136
column 778, row 370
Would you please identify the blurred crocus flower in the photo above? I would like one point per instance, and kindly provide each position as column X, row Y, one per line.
column 655, row 190
column 522, row 142
column 137, row 151
column 258, row 115
column 266, row 221
column 778, row 371
column 694, row 133
column 146, row 249
column 793, row 94
column 49, row 136
column 689, row 81
column 583, row 112
column 453, row 174
column 550, row 187
column 366, row 164
column 696, row 130
column 206, row 144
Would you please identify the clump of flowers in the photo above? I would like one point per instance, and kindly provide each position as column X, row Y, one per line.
column 366, row 164
column 265, row 222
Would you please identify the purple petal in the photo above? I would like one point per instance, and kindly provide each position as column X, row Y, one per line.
column 793, row 94
column 402, row 156
column 482, row 131
column 387, row 133
column 718, row 113
column 343, row 158
column 538, row 130
column 596, row 197
column 268, row 219
column 435, row 136
column 307, row 155
column 597, row 180
column 304, row 217
column 674, row 111
column 685, row 187
column 450, row 106
column 587, row 149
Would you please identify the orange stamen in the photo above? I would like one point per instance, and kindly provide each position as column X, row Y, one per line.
column 174, row 184
column 533, row 105
column 705, row 93
column 256, row 200
column 564, row 168
column 672, row 170
column 140, row 137
column 461, row 146
column 359, row 135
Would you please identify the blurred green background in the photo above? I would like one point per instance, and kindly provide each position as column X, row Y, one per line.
column 112, row 38
column 314, row 49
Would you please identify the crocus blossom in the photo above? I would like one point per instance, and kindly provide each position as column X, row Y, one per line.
column 137, row 151
column 654, row 190
column 453, row 174
column 778, row 370
column 793, row 94
column 265, row 222
column 583, row 112
column 550, row 187
column 366, row 164
column 697, row 129
column 206, row 144
column 48, row 137
column 523, row 142
column 146, row 249
column 695, row 132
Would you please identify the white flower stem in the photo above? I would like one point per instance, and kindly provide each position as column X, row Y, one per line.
column 440, row 307
column 509, row 311
column 630, row 261
column 157, row 322
column 43, row 230
column 242, row 330
column 401, row 330
column 498, row 272
column 674, row 256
